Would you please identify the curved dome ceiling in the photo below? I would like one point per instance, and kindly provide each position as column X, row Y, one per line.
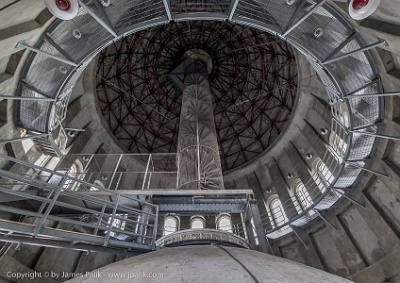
column 253, row 84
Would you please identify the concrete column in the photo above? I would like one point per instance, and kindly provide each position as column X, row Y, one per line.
column 255, row 213
column 143, row 229
column 249, row 231
column 255, row 186
column 199, row 165
column 210, row 222
column 184, row 222
column 160, row 226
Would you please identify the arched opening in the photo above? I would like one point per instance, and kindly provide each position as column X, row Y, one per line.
column 224, row 223
column 197, row 222
column 302, row 195
column 322, row 176
column 170, row 225
column 276, row 212
column 75, row 172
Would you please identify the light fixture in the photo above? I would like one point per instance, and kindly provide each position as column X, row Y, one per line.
column 105, row 3
column 361, row 9
column 63, row 70
column 309, row 156
column 63, row 9
column 318, row 32
column 76, row 33
column 324, row 131
column 290, row 176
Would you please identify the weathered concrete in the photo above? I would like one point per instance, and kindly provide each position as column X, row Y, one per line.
column 187, row 264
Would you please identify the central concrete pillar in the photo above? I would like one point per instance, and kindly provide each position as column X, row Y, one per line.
column 199, row 165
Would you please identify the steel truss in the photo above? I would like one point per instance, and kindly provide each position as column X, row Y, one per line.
column 253, row 85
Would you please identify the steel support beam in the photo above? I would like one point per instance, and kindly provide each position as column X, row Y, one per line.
column 369, row 170
column 372, row 95
column 252, row 208
column 349, row 198
column 36, row 50
column 326, row 221
column 341, row 46
column 27, row 98
column 368, row 47
column 307, row 247
column 375, row 135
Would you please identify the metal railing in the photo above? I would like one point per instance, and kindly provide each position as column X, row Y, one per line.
column 116, row 222
column 121, row 171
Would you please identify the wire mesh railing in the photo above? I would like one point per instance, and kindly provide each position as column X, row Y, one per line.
column 315, row 28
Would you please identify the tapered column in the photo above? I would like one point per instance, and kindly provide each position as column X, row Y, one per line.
column 199, row 165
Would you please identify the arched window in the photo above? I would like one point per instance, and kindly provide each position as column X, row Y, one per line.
column 302, row 195
column 170, row 225
column 322, row 176
column 224, row 223
column 338, row 144
column 197, row 222
column 75, row 171
column 276, row 212
column 97, row 184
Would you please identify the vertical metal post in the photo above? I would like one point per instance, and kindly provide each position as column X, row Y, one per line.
column 146, row 172
column 269, row 246
column 155, row 228
column 103, row 209
column 33, row 49
column 115, row 171
column 368, row 47
column 107, row 237
column 57, row 193
column 249, row 228
column 302, row 19
column 262, row 238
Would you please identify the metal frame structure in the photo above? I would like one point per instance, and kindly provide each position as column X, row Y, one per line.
column 332, row 46
column 253, row 86
column 83, row 221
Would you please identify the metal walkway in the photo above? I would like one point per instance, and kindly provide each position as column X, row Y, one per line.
column 47, row 213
